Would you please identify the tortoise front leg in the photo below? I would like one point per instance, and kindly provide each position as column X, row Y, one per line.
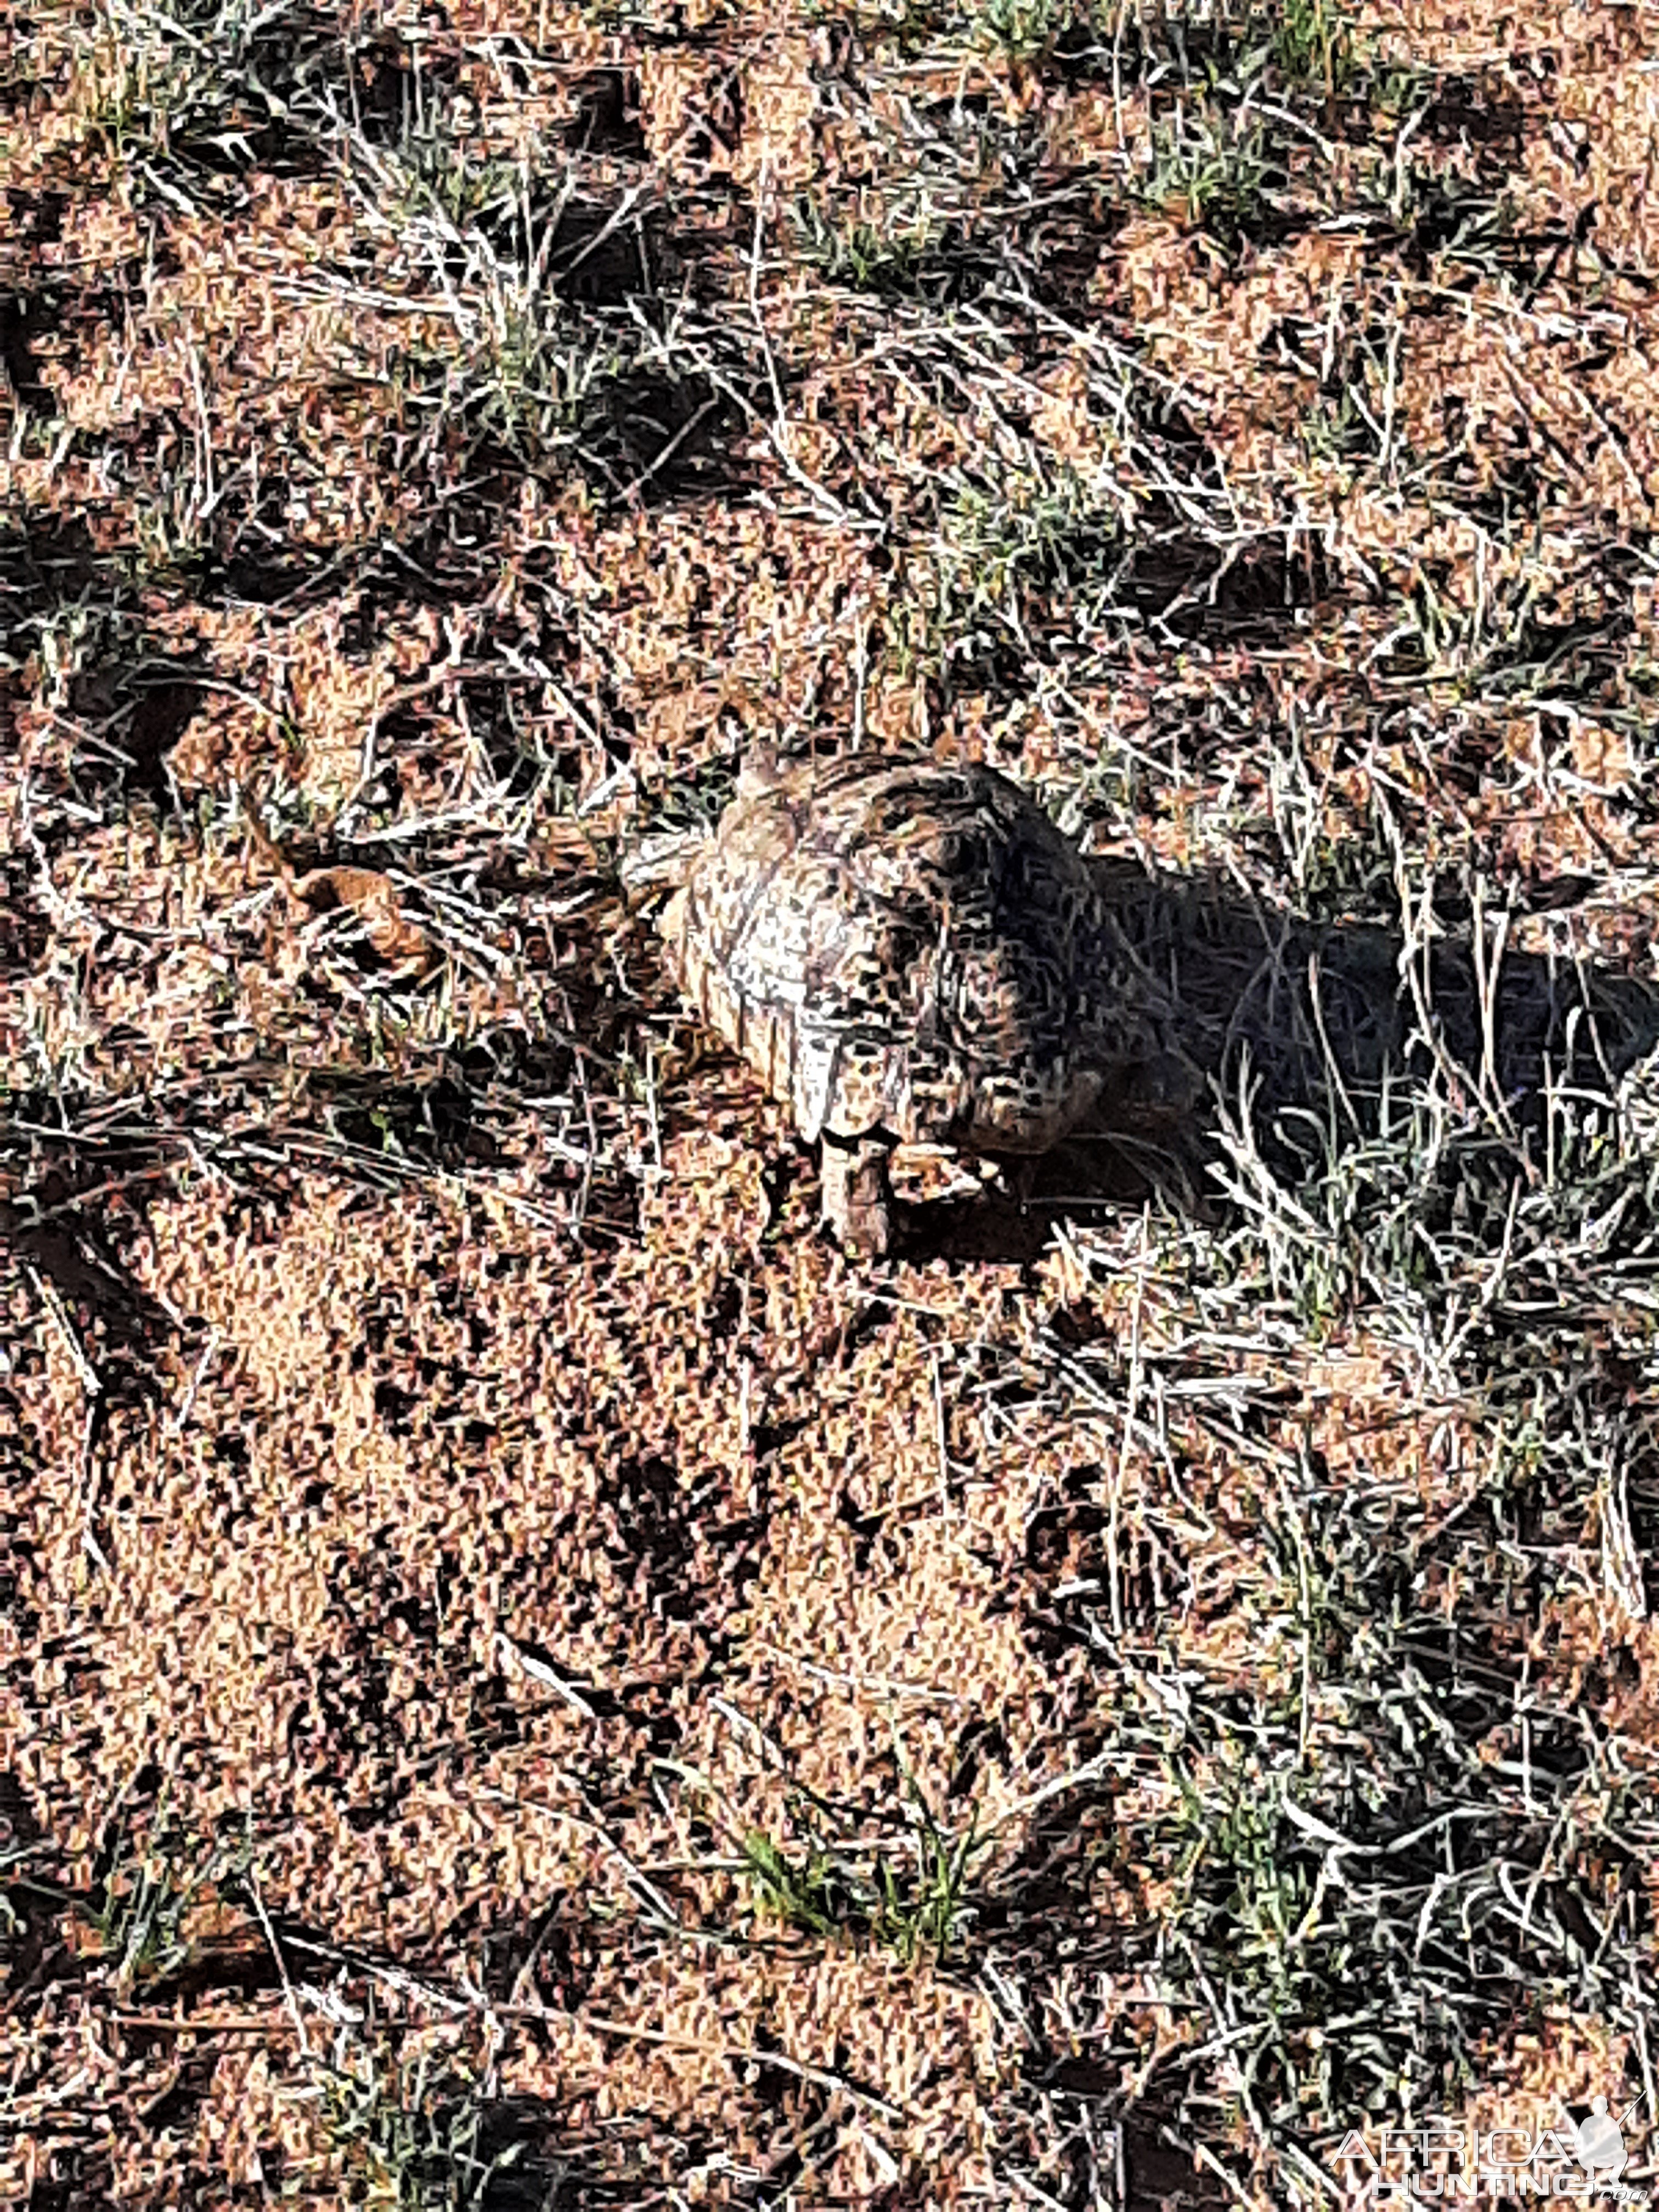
column 858, row 1195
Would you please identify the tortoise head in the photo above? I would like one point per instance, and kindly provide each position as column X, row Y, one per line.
column 663, row 859
column 761, row 771
column 660, row 862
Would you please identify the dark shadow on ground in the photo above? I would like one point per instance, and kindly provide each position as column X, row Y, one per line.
column 57, row 1229
column 1318, row 1028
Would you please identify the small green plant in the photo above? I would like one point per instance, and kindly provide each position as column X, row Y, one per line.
column 1337, row 428
column 1256, row 1895
column 1313, row 46
column 924, row 1908
column 148, row 1895
column 187, row 98
column 1024, row 28
column 417, row 2134
column 908, row 1909
column 1456, row 224
column 807, row 1894
column 1209, row 169
column 885, row 256
column 1007, row 533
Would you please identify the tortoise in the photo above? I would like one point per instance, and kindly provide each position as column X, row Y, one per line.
column 907, row 953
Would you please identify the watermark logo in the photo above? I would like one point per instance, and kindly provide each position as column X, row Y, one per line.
column 1449, row 2161
column 1599, row 2140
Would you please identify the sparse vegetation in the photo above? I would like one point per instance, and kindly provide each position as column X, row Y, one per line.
column 531, row 1680
column 416, row 2135
column 911, row 1900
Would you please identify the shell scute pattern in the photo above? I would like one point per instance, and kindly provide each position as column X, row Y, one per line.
column 905, row 948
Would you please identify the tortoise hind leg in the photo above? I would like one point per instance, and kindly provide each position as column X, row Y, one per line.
column 858, row 1195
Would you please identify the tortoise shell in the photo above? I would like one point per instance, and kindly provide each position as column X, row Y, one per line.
column 904, row 949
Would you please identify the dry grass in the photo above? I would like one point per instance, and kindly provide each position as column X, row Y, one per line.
column 530, row 1681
